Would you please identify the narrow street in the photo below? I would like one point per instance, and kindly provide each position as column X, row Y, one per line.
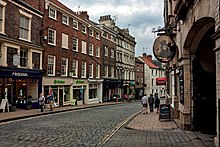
column 86, row 127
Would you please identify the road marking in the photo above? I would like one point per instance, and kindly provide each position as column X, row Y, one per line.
column 112, row 132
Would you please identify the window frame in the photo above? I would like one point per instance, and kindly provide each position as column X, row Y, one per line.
column 91, row 70
column 67, row 19
column 97, row 51
column 55, row 13
column 2, row 29
column 83, row 73
column 84, row 29
column 76, row 69
column 77, row 24
column 75, row 45
column 91, row 49
column 97, row 71
column 23, row 57
column 54, row 64
column 28, row 17
column 64, row 68
column 65, row 37
column 53, row 37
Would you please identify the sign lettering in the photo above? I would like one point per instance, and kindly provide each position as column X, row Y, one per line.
column 19, row 74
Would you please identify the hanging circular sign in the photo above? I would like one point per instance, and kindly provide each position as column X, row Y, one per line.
column 164, row 48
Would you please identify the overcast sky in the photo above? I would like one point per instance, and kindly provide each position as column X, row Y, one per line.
column 140, row 16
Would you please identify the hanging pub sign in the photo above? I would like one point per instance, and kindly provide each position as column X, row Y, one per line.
column 164, row 48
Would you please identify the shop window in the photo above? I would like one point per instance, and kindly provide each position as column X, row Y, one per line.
column 10, row 53
column 92, row 91
column 36, row 60
column 66, row 94
column 23, row 57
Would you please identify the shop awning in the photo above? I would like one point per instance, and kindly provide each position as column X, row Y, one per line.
column 161, row 81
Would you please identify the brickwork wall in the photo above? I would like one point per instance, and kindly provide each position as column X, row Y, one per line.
column 12, row 23
column 59, row 52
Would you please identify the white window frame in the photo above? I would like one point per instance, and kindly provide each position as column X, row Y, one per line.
column 66, row 22
column 77, row 24
column 53, row 36
column 76, row 68
column 106, row 51
column 2, row 18
column 75, row 44
column 83, row 73
column 91, row 32
column 112, row 72
column 28, row 17
column 112, row 53
column 106, row 70
column 97, row 71
column 90, row 70
column 83, row 29
column 65, row 41
column 24, row 57
column 98, row 35
column 84, row 47
column 97, row 51
column 55, row 13
column 53, row 64
column 91, row 50
column 64, row 67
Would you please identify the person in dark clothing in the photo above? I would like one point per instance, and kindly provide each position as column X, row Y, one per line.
column 151, row 102
column 157, row 102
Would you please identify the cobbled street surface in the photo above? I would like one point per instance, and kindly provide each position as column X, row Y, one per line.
column 76, row 128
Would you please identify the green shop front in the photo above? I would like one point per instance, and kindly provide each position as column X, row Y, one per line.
column 61, row 89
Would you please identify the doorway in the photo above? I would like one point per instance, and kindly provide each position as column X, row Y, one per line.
column 204, row 85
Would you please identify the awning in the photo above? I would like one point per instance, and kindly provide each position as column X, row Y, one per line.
column 161, row 81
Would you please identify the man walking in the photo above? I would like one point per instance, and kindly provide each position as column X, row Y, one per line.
column 144, row 102
column 151, row 102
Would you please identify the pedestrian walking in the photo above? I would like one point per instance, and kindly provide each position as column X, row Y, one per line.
column 151, row 102
column 51, row 99
column 41, row 102
column 157, row 102
column 144, row 103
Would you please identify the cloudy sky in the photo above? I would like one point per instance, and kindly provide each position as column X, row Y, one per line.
column 140, row 16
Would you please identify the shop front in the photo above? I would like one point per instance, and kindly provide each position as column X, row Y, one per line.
column 111, row 88
column 80, row 91
column 17, row 84
column 95, row 91
column 61, row 89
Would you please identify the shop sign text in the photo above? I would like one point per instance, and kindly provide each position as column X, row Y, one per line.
column 59, row 82
column 19, row 74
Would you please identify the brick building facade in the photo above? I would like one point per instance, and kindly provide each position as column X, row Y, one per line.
column 72, row 55
column 20, row 52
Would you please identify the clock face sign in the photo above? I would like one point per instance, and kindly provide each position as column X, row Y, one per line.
column 164, row 48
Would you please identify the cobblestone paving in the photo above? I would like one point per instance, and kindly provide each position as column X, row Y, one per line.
column 75, row 128
column 159, row 138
